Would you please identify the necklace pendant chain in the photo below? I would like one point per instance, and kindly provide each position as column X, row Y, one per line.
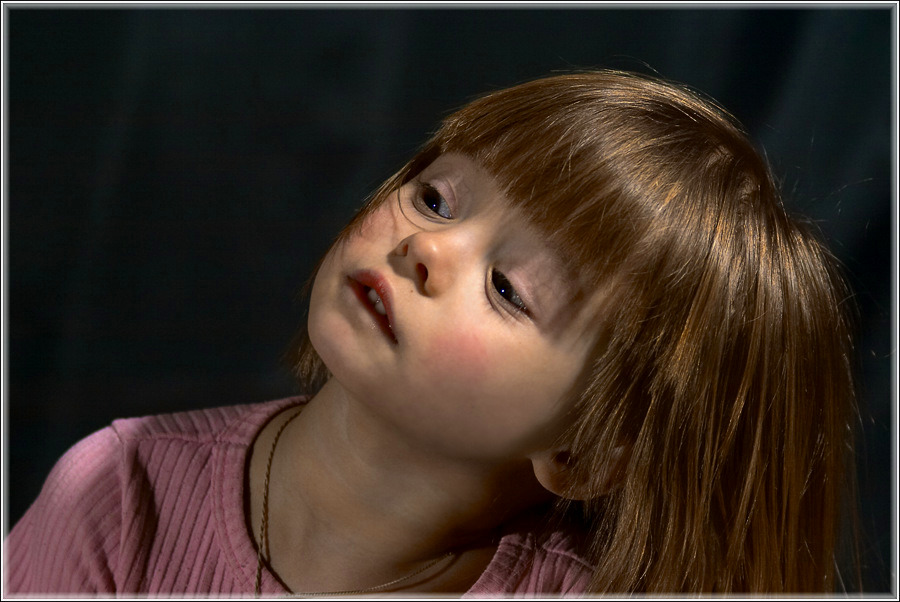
column 264, row 539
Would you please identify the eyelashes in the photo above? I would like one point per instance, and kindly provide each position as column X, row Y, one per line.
column 431, row 205
column 507, row 292
column 429, row 199
column 424, row 206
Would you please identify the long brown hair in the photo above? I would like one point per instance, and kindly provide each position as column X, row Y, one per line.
column 725, row 365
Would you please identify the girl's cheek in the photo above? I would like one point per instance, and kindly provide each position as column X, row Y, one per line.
column 381, row 222
column 459, row 358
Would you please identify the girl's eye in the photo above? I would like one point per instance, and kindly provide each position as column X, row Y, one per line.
column 431, row 200
column 505, row 289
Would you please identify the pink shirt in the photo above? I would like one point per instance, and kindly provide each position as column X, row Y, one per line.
column 155, row 505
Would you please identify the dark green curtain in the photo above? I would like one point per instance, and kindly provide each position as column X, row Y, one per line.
column 173, row 175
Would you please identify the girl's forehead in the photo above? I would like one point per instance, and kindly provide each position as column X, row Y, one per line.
column 472, row 184
column 533, row 252
column 475, row 189
column 465, row 176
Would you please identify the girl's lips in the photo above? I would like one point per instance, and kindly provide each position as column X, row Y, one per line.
column 362, row 282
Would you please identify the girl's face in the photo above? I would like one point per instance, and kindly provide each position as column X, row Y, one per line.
column 447, row 315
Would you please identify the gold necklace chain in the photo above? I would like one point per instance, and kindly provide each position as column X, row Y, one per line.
column 264, row 538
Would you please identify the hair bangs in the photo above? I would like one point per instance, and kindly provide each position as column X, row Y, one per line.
column 548, row 148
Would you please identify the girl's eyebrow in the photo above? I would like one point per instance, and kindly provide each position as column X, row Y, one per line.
column 556, row 291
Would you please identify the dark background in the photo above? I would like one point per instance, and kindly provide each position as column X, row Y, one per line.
column 173, row 175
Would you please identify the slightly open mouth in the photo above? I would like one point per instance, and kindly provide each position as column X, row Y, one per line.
column 369, row 297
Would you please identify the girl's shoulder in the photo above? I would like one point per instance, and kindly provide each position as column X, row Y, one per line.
column 237, row 424
column 532, row 560
column 127, row 487
column 95, row 463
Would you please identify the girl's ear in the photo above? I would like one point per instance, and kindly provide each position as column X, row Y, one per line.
column 555, row 471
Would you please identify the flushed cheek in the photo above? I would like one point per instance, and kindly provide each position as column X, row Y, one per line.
column 457, row 359
column 489, row 399
column 383, row 220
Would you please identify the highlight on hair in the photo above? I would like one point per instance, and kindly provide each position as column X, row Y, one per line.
column 725, row 365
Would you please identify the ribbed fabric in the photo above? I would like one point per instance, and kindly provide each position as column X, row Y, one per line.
column 155, row 505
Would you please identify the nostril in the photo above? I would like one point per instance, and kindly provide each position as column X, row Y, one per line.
column 422, row 271
column 402, row 249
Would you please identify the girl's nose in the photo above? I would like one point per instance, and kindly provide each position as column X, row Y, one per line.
column 429, row 259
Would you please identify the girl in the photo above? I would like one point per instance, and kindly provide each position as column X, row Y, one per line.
column 574, row 345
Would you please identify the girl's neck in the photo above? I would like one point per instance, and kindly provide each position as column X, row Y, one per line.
column 351, row 505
